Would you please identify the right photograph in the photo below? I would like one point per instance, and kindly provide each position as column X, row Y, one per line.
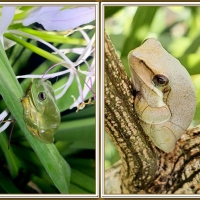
column 151, row 111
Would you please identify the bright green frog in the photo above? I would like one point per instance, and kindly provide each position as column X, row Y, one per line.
column 41, row 114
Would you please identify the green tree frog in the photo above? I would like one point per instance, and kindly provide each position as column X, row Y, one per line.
column 165, row 100
column 41, row 114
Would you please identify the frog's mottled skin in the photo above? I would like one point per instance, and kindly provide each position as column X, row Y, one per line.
column 42, row 116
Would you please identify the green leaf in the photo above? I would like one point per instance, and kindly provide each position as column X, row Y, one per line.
column 77, row 190
column 111, row 10
column 83, row 181
column 12, row 160
column 54, row 37
column 193, row 46
column 53, row 162
column 33, row 48
column 7, row 184
column 192, row 62
column 80, row 132
column 139, row 28
column 86, row 166
column 196, row 81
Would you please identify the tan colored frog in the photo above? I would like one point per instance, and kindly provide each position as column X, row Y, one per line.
column 166, row 99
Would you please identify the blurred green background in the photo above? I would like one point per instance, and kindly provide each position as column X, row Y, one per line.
column 176, row 27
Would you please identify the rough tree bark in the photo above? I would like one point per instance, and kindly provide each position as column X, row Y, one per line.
column 143, row 168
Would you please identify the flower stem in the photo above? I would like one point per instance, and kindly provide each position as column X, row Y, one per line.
column 33, row 48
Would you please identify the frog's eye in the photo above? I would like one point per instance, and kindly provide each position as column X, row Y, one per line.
column 160, row 80
column 42, row 96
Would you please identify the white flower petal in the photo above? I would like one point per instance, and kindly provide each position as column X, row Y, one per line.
column 4, row 127
column 61, row 20
column 35, row 15
column 68, row 63
column 86, row 52
column 84, row 93
column 6, row 18
column 67, row 85
column 72, row 50
column 4, row 114
column 8, row 43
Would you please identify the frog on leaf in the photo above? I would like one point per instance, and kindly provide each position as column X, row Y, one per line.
column 41, row 114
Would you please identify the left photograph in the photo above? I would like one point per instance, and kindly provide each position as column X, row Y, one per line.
column 48, row 96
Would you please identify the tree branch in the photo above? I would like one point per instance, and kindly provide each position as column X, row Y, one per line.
column 143, row 167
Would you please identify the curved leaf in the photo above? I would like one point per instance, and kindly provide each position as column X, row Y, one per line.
column 53, row 162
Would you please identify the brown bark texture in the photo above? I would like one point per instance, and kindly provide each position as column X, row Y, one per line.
column 143, row 168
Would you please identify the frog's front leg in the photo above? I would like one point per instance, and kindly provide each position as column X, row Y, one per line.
column 151, row 115
column 164, row 136
column 30, row 117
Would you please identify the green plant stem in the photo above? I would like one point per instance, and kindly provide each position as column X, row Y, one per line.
column 33, row 48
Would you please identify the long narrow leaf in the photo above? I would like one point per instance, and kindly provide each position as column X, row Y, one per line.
column 53, row 162
column 13, row 161
column 8, row 185
column 140, row 24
